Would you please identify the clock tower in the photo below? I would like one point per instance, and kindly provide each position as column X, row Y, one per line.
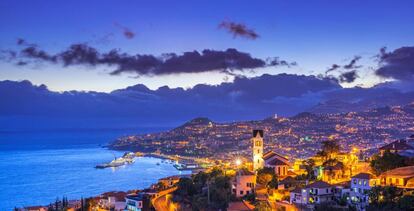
column 257, row 149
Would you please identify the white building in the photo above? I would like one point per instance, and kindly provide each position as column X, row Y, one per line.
column 257, row 149
column 315, row 193
column 134, row 202
column 360, row 186
column 245, row 183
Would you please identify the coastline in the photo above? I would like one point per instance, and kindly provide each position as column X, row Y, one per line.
column 91, row 183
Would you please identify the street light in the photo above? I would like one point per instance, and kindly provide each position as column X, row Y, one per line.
column 238, row 162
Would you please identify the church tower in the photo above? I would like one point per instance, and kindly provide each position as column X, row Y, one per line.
column 257, row 148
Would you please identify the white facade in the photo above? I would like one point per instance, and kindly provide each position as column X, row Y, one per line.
column 361, row 184
column 316, row 193
column 133, row 204
column 245, row 184
column 257, row 149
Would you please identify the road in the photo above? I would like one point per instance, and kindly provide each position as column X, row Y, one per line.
column 164, row 202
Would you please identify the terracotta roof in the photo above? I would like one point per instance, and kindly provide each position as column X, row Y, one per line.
column 397, row 145
column 403, row 172
column 319, row 184
column 288, row 180
column 277, row 162
column 364, row 176
column 270, row 154
column 240, row 206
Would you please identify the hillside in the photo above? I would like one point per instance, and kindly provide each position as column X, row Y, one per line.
column 296, row 136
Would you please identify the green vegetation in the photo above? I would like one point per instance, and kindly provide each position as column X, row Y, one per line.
column 387, row 161
column 266, row 176
column 309, row 165
column 262, row 206
column 390, row 198
column 205, row 190
column 329, row 148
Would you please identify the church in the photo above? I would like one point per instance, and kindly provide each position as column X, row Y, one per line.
column 269, row 159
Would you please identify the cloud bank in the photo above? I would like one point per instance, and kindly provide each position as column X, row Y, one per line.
column 398, row 64
column 227, row 61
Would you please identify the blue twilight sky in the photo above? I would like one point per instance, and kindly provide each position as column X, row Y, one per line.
column 314, row 33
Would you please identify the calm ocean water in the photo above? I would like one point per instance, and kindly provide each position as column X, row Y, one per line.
column 37, row 167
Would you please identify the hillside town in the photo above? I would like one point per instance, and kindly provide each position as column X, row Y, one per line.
column 298, row 137
column 331, row 179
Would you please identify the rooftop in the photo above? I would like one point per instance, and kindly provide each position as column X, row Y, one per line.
column 245, row 172
column 397, row 145
column 364, row 176
column 318, row 184
column 403, row 172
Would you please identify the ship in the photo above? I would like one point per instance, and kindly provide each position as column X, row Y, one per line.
column 127, row 158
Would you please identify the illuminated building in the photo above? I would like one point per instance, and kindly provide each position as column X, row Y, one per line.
column 257, row 149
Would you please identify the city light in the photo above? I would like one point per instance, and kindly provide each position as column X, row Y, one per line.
column 238, row 162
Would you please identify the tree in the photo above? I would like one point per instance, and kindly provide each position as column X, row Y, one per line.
column 330, row 147
column 185, row 187
column 384, row 198
column 262, row 206
column 386, row 162
column 266, row 176
column 220, row 192
column 309, row 165
column 406, row 202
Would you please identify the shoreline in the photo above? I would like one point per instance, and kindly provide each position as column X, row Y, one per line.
column 131, row 176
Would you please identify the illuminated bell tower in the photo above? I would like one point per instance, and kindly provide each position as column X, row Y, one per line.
column 257, row 148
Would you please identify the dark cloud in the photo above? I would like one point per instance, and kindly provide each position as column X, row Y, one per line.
column 35, row 53
column 276, row 61
column 238, row 29
column 348, row 77
column 398, row 64
column 228, row 61
column 332, row 68
column 243, row 98
column 128, row 33
column 352, row 63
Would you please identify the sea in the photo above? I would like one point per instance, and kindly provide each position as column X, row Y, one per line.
column 36, row 167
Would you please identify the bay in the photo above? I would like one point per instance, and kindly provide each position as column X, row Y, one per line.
column 62, row 164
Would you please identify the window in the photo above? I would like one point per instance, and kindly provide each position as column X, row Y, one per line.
column 355, row 181
column 247, row 192
column 327, row 190
column 365, row 183
column 241, row 192
column 278, row 170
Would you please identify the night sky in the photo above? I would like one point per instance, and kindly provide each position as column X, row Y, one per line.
column 311, row 36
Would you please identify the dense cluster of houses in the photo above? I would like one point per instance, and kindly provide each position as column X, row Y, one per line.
column 349, row 180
